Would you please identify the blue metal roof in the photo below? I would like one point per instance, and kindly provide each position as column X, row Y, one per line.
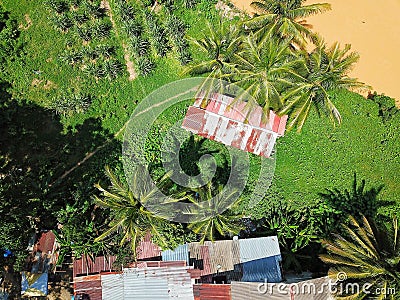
column 179, row 253
column 262, row 270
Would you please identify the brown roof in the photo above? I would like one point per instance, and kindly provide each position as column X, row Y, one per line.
column 46, row 242
column 88, row 286
column 212, row 291
column 85, row 266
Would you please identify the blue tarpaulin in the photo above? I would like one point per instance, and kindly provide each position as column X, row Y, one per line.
column 34, row 284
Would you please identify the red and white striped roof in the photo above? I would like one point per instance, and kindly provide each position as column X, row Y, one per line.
column 232, row 123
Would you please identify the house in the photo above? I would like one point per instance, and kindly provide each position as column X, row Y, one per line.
column 146, row 250
column 42, row 260
column 147, row 280
column 254, row 260
column 232, row 122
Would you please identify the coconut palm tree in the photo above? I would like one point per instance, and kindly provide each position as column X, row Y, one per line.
column 285, row 18
column 112, row 68
column 101, row 29
column 133, row 28
column 105, row 51
column 265, row 70
column 219, row 216
column 367, row 255
column 127, row 211
column 324, row 70
column 219, row 44
column 140, row 46
column 59, row 6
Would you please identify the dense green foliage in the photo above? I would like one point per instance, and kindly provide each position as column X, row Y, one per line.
column 65, row 96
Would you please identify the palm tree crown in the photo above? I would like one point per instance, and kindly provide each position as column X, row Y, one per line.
column 219, row 44
column 324, row 70
column 218, row 214
column 127, row 211
column 285, row 18
column 367, row 256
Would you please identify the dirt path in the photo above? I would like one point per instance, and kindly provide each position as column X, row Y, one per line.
column 373, row 30
column 129, row 64
column 28, row 22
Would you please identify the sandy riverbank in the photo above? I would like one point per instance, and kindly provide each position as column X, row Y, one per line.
column 373, row 30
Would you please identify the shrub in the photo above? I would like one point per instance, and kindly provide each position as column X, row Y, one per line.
column 145, row 65
column 387, row 106
column 140, row 46
column 101, row 30
column 71, row 103
column 85, row 33
column 59, row 6
column 62, row 22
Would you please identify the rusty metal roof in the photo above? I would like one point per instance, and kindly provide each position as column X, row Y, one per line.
column 236, row 259
column 151, row 280
column 85, row 266
column 212, row 291
column 147, row 249
column 46, row 242
column 232, row 123
column 88, row 286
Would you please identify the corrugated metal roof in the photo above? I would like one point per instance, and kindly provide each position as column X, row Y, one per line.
column 158, row 283
column 85, row 266
column 256, row 248
column 261, row 270
column 112, row 287
column 212, row 291
column 45, row 244
column 315, row 289
column 226, row 258
column 221, row 256
column 179, row 253
column 228, row 121
column 88, row 286
column 147, row 249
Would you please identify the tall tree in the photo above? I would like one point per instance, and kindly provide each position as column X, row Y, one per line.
column 324, row 70
column 265, row 70
column 367, row 256
column 219, row 44
column 127, row 212
column 285, row 18
column 219, row 216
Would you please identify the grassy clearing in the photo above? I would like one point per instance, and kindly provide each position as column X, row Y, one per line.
column 325, row 157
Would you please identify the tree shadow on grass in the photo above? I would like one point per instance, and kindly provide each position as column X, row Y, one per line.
column 34, row 155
